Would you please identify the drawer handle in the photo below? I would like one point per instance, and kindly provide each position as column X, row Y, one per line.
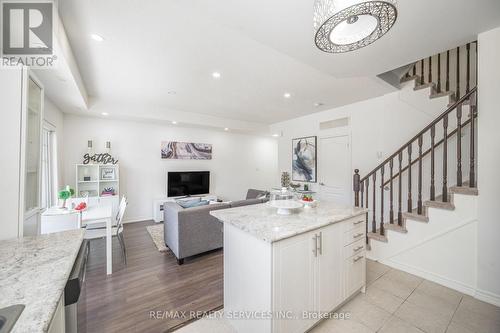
column 357, row 259
column 358, row 235
column 358, row 248
column 356, row 223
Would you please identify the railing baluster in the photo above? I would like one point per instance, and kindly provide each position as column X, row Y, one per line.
column 410, row 204
column 448, row 70
column 445, row 158
column 355, row 187
column 430, row 69
column 439, row 73
column 382, row 231
column 472, row 173
column 457, row 93
column 419, row 200
column 374, row 219
column 459, row 145
column 400, row 181
column 467, row 87
column 415, row 69
column 433, row 188
column 422, row 71
column 366, row 220
column 361, row 189
column 391, row 194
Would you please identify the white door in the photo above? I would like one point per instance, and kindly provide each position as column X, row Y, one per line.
column 294, row 282
column 335, row 174
column 330, row 274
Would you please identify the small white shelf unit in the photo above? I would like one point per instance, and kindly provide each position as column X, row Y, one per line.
column 101, row 177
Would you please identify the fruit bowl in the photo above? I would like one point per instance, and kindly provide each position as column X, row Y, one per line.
column 309, row 203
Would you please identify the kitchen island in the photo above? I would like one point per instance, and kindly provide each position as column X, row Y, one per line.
column 34, row 272
column 286, row 273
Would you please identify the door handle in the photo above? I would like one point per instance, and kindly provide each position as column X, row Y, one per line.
column 320, row 248
column 315, row 249
column 356, row 223
column 358, row 248
column 357, row 259
column 358, row 235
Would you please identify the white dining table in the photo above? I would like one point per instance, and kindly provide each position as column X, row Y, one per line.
column 99, row 214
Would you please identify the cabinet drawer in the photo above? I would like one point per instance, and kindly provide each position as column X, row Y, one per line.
column 354, row 235
column 354, row 223
column 354, row 248
column 355, row 273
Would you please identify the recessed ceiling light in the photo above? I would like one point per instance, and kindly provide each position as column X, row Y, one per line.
column 276, row 135
column 317, row 104
column 216, row 75
column 97, row 37
column 287, row 95
column 226, row 129
column 105, row 114
column 174, row 122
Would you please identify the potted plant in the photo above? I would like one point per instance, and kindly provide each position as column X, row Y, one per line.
column 65, row 194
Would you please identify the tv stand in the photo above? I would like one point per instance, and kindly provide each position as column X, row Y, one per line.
column 158, row 204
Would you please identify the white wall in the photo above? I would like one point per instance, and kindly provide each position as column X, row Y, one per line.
column 239, row 161
column 55, row 118
column 379, row 125
column 488, row 274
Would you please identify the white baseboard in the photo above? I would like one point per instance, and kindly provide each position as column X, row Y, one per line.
column 487, row 297
column 439, row 279
column 138, row 219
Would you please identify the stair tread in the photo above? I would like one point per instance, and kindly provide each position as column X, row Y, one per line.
column 395, row 227
column 409, row 78
column 441, row 94
column 377, row 236
column 423, row 86
column 415, row 216
column 464, row 190
column 437, row 203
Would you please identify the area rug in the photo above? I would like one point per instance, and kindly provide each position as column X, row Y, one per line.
column 156, row 233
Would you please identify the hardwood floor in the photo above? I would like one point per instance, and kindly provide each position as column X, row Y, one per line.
column 151, row 281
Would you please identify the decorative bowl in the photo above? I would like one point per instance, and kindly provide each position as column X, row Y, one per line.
column 285, row 207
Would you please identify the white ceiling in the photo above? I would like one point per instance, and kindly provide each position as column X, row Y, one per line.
column 263, row 48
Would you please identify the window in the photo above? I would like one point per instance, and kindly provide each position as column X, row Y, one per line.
column 49, row 167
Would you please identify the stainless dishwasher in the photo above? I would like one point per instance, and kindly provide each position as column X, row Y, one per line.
column 74, row 287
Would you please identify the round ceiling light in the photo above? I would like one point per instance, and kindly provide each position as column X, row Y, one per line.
column 347, row 25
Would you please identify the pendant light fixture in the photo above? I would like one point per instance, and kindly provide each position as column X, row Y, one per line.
column 347, row 25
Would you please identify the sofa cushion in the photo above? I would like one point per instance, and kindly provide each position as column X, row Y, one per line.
column 253, row 193
column 247, row 202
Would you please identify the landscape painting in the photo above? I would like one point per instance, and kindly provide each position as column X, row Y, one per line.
column 172, row 150
column 304, row 159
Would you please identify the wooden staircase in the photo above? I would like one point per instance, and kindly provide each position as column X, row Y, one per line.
column 393, row 191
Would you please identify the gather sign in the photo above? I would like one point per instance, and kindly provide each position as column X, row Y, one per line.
column 103, row 158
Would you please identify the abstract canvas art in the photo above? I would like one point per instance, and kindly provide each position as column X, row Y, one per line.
column 304, row 159
column 173, row 150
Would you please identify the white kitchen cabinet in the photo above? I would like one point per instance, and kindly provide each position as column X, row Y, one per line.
column 298, row 279
column 294, row 282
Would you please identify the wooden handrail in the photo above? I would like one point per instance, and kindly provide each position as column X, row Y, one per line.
column 452, row 133
column 427, row 128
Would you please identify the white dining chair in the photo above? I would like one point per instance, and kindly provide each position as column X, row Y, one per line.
column 95, row 232
column 100, row 224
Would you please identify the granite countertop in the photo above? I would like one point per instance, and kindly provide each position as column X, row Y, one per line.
column 33, row 272
column 263, row 222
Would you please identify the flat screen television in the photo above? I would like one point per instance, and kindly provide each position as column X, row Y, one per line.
column 188, row 183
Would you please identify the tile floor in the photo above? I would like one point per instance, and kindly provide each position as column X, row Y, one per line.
column 396, row 302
